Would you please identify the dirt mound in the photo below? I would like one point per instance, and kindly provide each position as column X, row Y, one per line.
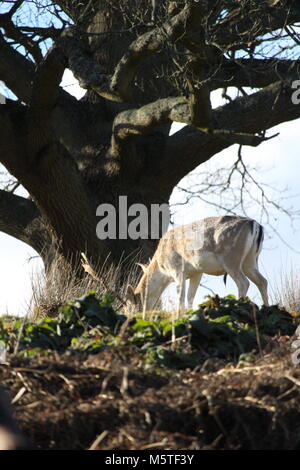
column 116, row 401
column 219, row 378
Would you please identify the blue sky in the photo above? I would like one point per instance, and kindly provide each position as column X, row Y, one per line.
column 279, row 166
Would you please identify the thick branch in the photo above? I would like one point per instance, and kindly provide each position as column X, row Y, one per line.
column 260, row 111
column 45, row 90
column 254, row 73
column 87, row 71
column 143, row 120
column 37, row 89
column 12, row 151
column 117, row 88
column 199, row 93
column 16, row 71
column 20, row 219
column 53, row 180
column 45, row 32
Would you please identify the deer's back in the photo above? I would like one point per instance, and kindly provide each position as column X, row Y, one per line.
column 199, row 244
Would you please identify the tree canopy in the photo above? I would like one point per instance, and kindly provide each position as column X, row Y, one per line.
column 144, row 65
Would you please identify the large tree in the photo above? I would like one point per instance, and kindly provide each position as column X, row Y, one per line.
column 144, row 64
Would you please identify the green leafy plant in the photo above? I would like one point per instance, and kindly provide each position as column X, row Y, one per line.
column 75, row 319
column 227, row 328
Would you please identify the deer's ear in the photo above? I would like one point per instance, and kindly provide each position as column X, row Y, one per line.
column 130, row 295
column 143, row 266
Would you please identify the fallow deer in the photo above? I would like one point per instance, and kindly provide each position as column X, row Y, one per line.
column 216, row 246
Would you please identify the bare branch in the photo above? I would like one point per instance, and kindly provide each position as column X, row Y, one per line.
column 13, row 32
column 149, row 43
column 15, row 7
column 50, row 32
column 235, row 188
column 240, row 26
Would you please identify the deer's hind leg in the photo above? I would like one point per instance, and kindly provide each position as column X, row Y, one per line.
column 250, row 268
column 233, row 267
column 193, row 286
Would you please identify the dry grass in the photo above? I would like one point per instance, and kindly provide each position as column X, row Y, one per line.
column 287, row 293
column 62, row 284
